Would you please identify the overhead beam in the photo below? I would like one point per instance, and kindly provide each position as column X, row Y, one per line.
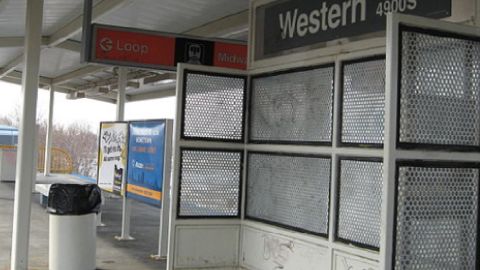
column 102, row 98
column 71, row 45
column 19, row 82
column 223, row 27
column 11, row 65
column 43, row 86
column 18, row 75
column 7, row 42
column 129, row 84
column 160, row 77
column 18, row 42
column 113, row 81
column 81, row 72
column 168, row 92
column 75, row 26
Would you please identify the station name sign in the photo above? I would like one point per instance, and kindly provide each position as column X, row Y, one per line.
column 290, row 24
column 139, row 48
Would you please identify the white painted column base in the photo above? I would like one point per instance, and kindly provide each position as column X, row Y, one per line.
column 126, row 210
column 99, row 215
column 72, row 242
column 126, row 204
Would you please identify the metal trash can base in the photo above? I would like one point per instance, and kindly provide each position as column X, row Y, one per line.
column 72, row 242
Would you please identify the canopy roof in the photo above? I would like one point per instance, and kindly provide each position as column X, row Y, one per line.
column 62, row 25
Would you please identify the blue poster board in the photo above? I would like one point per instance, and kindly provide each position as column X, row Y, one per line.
column 146, row 151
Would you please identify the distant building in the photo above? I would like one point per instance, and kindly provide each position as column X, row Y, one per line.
column 8, row 135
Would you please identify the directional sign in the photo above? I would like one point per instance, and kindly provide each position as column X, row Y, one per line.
column 140, row 48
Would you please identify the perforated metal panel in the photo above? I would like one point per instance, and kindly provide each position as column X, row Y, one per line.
column 436, row 226
column 294, row 106
column 363, row 101
column 360, row 202
column 213, row 107
column 440, row 90
column 291, row 191
column 209, row 183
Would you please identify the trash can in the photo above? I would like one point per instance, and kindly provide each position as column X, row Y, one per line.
column 73, row 232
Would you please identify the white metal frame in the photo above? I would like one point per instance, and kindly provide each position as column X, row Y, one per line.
column 179, row 143
column 126, row 203
column 26, row 158
column 392, row 154
column 49, row 138
column 334, row 151
column 166, row 194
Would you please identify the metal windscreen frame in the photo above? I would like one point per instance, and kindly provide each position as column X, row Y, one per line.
column 338, row 202
column 398, row 153
column 271, row 221
column 333, row 150
column 404, row 28
column 188, row 72
column 286, row 72
column 205, row 213
column 228, row 220
column 435, row 165
column 362, row 60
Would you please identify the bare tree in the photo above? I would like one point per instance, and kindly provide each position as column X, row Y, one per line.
column 80, row 142
column 77, row 139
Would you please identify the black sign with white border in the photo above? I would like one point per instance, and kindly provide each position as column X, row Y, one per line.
column 290, row 24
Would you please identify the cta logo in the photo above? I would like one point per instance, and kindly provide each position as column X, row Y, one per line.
column 194, row 53
column 106, row 44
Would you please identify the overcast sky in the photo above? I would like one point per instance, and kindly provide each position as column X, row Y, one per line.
column 85, row 110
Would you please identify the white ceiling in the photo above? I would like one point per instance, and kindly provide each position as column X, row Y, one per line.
column 56, row 13
column 56, row 61
column 172, row 15
column 8, row 53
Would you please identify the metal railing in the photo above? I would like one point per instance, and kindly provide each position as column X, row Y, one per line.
column 62, row 161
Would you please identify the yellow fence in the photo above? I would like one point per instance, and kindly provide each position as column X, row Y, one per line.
column 61, row 160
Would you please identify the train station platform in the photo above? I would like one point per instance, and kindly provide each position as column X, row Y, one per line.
column 111, row 254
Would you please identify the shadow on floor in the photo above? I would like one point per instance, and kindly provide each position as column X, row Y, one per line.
column 111, row 254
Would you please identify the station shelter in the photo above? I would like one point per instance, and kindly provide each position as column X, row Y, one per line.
column 350, row 141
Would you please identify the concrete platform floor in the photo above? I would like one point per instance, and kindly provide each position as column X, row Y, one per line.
column 111, row 254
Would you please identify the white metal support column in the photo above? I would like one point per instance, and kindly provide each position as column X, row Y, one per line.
column 122, row 84
column 126, row 205
column 48, row 142
column 166, row 197
column 26, row 168
column 391, row 98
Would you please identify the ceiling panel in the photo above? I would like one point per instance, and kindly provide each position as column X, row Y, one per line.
column 172, row 15
column 55, row 62
column 9, row 53
column 12, row 17
column 56, row 14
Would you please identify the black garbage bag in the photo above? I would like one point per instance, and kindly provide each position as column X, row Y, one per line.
column 73, row 199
